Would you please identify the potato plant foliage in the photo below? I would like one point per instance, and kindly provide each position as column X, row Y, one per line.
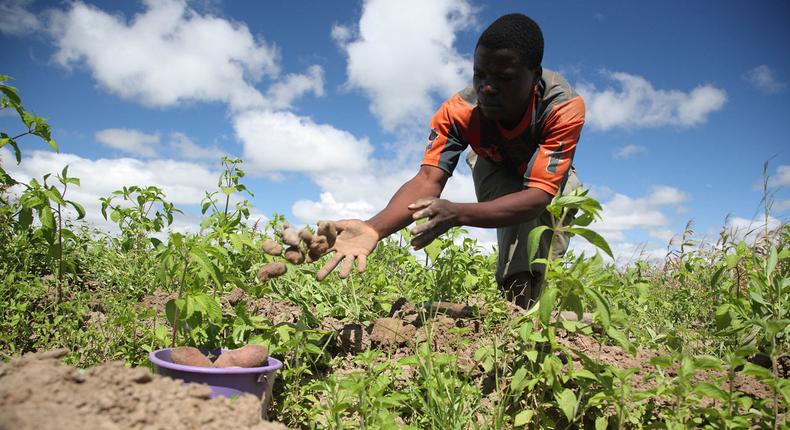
column 703, row 319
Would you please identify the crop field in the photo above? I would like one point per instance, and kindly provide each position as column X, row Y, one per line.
column 698, row 340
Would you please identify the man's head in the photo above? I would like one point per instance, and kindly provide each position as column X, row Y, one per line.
column 507, row 64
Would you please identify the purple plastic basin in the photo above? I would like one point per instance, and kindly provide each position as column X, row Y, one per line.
column 223, row 381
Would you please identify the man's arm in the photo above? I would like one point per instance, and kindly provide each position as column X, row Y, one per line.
column 358, row 238
column 428, row 183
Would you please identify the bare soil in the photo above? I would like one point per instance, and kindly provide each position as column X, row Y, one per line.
column 38, row 392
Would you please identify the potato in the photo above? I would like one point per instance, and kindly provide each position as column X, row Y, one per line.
column 271, row 247
column 318, row 248
column 328, row 230
column 246, row 356
column 307, row 236
column 190, row 356
column 294, row 255
column 271, row 270
column 290, row 236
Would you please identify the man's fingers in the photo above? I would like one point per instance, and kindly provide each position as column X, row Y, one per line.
column 423, row 240
column 348, row 263
column 424, row 213
column 422, row 228
column 329, row 266
column 422, row 203
column 362, row 262
column 341, row 225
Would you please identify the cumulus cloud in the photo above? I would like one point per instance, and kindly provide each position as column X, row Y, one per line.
column 629, row 150
column 130, row 141
column 764, row 79
column 622, row 213
column 16, row 19
column 635, row 103
column 186, row 148
column 781, row 178
column 283, row 93
column 284, row 141
column 166, row 55
column 750, row 230
column 781, row 205
column 401, row 55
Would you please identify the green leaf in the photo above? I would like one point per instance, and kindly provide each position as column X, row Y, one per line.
column 723, row 316
column 758, row 372
column 517, row 383
column 622, row 340
column 546, row 304
column 601, row 307
column 567, row 403
column 210, row 307
column 523, row 418
column 115, row 215
column 26, row 217
column 594, row 238
column 707, row 362
column 46, row 217
column 574, row 303
column 771, row 264
column 78, row 207
column 533, row 241
column 710, row 390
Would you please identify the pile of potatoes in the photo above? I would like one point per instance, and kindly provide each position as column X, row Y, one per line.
column 302, row 246
column 246, row 356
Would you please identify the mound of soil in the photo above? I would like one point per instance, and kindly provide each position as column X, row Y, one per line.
column 37, row 392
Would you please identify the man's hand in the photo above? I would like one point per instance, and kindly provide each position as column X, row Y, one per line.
column 356, row 239
column 442, row 215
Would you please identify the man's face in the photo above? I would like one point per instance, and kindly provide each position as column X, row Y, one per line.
column 503, row 84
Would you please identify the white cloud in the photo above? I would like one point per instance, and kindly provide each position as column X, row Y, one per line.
column 781, row 178
column 629, row 150
column 636, row 104
column 166, row 55
column 283, row 141
column 622, row 214
column 662, row 195
column 328, row 207
column 781, row 205
column 183, row 183
column 341, row 34
column 402, row 54
column 750, row 230
column 763, row 78
column 293, row 86
column 16, row 20
column 189, row 149
column 130, row 141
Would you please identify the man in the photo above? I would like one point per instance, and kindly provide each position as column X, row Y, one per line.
column 523, row 124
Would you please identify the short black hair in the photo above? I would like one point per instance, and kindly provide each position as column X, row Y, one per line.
column 517, row 32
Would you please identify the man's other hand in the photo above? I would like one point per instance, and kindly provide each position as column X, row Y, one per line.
column 356, row 239
column 442, row 215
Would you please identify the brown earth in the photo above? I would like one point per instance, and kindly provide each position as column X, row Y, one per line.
column 38, row 392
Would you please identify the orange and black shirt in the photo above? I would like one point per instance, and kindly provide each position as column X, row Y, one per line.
column 540, row 148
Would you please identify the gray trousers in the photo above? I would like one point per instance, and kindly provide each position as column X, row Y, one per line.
column 493, row 180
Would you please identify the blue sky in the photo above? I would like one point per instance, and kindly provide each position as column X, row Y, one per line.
column 328, row 102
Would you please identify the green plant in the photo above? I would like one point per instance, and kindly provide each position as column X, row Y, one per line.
column 48, row 203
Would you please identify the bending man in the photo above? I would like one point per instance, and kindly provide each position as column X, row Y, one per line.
column 523, row 124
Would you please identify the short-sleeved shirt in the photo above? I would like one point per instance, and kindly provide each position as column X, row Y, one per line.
column 540, row 148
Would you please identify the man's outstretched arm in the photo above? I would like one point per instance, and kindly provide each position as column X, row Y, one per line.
column 358, row 238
